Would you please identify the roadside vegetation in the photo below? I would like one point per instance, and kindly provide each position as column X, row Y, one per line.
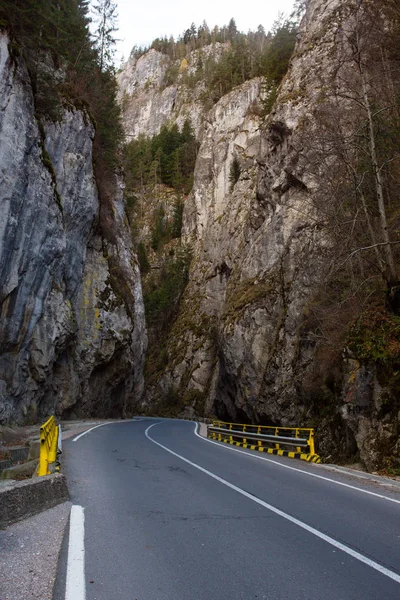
column 67, row 65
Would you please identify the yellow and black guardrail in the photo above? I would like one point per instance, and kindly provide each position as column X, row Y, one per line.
column 50, row 445
column 267, row 439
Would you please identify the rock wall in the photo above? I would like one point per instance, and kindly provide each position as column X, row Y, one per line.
column 241, row 346
column 148, row 103
column 72, row 339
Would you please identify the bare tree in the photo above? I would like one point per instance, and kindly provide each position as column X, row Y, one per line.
column 354, row 154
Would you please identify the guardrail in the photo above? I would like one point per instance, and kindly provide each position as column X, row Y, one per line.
column 49, row 444
column 301, row 438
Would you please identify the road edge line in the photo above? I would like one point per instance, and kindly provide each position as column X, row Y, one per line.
column 95, row 427
column 75, row 588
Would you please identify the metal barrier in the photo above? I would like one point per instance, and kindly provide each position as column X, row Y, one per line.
column 301, row 438
column 49, row 433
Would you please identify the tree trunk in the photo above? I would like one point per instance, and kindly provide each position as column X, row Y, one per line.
column 378, row 181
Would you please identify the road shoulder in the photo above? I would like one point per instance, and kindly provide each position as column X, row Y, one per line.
column 29, row 552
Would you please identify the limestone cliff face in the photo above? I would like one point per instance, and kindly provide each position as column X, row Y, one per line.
column 241, row 346
column 69, row 341
column 148, row 102
column 235, row 346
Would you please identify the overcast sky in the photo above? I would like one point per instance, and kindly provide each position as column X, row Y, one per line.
column 140, row 22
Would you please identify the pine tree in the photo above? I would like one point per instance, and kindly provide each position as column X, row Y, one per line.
column 232, row 29
column 106, row 17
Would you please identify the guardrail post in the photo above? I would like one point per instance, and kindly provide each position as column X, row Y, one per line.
column 244, row 430
column 259, row 442
column 53, row 444
column 43, row 468
column 277, row 433
column 48, row 446
column 311, row 442
column 298, row 449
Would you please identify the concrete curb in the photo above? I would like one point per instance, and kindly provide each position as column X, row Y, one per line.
column 380, row 479
column 22, row 499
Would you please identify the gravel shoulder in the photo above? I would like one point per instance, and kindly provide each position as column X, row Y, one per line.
column 29, row 553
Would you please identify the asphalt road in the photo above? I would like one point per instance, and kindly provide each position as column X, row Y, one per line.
column 172, row 516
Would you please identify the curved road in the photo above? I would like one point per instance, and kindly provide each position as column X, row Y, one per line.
column 169, row 515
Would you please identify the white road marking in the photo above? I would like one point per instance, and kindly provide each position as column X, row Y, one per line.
column 75, row 585
column 101, row 425
column 316, row 532
column 283, row 466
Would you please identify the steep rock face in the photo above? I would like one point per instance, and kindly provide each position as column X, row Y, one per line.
column 147, row 103
column 70, row 341
column 215, row 225
column 238, row 347
column 243, row 344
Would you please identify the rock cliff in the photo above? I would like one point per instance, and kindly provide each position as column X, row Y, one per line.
column 72, row 333
column 148, row 100
column 243, row 345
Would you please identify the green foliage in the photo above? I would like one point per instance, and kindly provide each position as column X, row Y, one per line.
column 142, row 258
column 163, row 294
column 249, row 55
column 275, row 61
column 176, row 227
column 392, row 467
column 160, row 233
column 375, row 335
column 168, row 158
column 102, row 101
column 269, row 102
column 106, row 17
column 49, row 34
column 53, row 39
column 254, row 54
column 173, row 401
column 234, row 173
column 164, row 230
column 171, row 74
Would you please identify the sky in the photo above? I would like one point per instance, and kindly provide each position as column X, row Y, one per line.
column 140, row 22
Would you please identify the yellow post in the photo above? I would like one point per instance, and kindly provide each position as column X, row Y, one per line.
column 259, row 442
column 48, row 446
column 311, row 442
column 277, row 433
column 298, row 449
column 43, row 458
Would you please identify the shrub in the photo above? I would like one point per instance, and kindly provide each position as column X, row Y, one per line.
column 234, row 173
